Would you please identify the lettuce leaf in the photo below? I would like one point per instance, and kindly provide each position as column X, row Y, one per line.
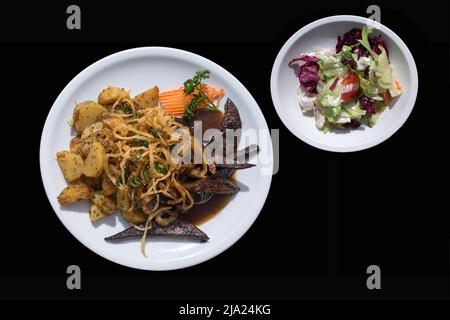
column 347, row 57
column 330, row 67
column 364, row 41
column 368, row 88
column 328, row 98
column 353, row 110
column 383, row 71
column 372, row 119
column 333, row 114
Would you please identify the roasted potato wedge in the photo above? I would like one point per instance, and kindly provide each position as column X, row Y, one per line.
column 105, row 136
column 95, row 213
column 90, row 130
column 106, row 204
column 147, row 99
column 110, row 95
column 108, row 188
column 93, row 164
column 74, row 193
column 134, row 216
column 71, row 165
column 123, row 200
column 85, row 114
column 75, row 145
column 113, row 122
column 94, row 183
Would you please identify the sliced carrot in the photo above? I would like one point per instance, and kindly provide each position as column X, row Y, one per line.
column 398, row 85
column 387, row 98
column 175, row 101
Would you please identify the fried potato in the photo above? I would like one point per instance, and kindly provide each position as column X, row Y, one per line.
column 110, row 95
column 94, row 183
column 84, row 146
column 85, row 114
column 106, row 204
column 95, row 213
column 108, row 188
column 105, row 136
column 90, row 130
column 74, row 193
column 134, row 216
column 123, row 200
column 93, row 164
column 147, row 99
column 75, row 146
column 114, row 123
column 71, row 165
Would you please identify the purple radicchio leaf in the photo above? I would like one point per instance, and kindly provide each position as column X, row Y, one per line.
column 376, row 42
column 352, row 124
column 308, row 73
column 350, row 38
column 368, row 104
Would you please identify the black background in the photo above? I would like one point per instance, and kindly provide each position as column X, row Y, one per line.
column 385, row 206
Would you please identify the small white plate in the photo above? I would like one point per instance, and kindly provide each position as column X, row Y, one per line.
column 138, row 70
column 322, row 34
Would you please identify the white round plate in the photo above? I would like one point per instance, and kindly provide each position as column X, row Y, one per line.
column 322, row 34
column 138, row 70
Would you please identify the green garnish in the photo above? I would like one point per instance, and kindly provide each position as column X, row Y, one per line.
column 146, row 176
column 118, row 182
column 160, row 168
column 193, row 86
column 126, row 174
column 188, row 112
column 138, row 155
column 155, row 132
column 135, row 181
column 125, row 107
column 139, row 143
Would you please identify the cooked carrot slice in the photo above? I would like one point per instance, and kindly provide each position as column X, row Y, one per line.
column 175, row 101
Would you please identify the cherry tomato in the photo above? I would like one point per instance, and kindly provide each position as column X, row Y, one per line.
column 349, row 88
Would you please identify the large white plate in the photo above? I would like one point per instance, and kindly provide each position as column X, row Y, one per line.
column 137, row 70
column 322, row 34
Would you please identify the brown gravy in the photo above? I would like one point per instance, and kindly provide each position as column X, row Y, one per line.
column 209, row 118
column 203, row 212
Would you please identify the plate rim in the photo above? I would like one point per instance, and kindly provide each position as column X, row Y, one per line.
column 344, row 18
column 193, row 259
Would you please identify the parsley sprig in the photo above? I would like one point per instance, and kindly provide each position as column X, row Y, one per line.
column 193, row 87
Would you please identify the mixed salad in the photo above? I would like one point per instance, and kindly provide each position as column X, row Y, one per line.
column 348, row 86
